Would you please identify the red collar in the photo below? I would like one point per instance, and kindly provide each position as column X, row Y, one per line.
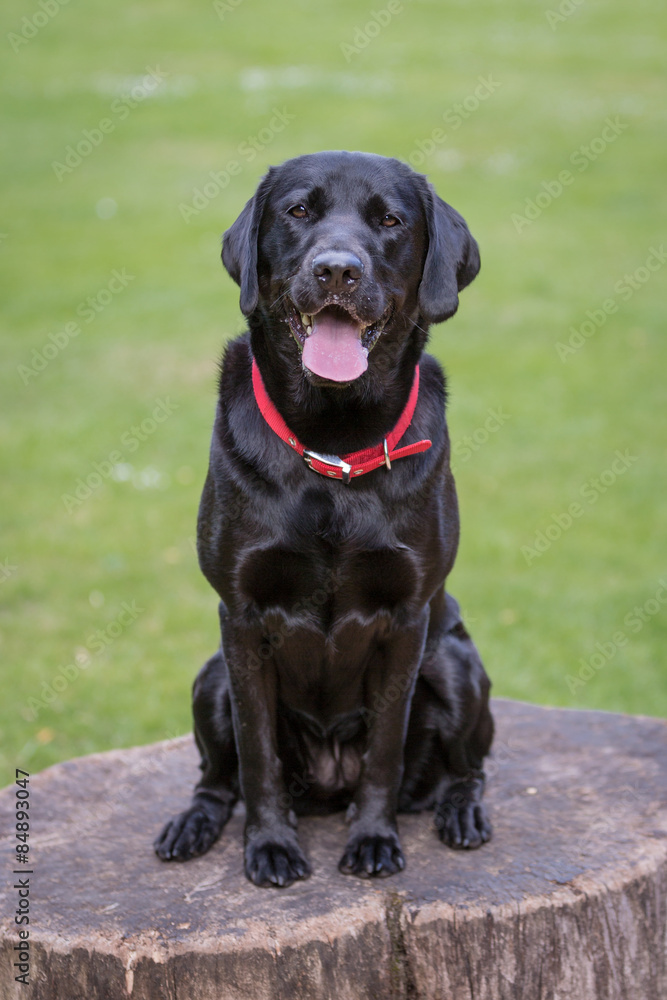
column 358, row 463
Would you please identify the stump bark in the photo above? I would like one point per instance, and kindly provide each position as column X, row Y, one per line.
column 568, row 901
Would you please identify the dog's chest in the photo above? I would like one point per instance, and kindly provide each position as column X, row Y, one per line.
column 327, row 583
column 332, row 556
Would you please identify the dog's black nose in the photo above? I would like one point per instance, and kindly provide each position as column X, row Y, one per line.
column 337, row 268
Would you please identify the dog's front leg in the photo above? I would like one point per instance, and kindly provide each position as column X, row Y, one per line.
column 373, row 847
column 272, row 852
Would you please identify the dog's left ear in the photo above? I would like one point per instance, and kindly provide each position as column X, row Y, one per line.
column 239, row 248
column 452, row 260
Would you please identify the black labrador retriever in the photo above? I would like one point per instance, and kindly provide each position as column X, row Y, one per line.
column 345, row 677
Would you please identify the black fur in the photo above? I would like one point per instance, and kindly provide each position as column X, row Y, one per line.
column 345, row 677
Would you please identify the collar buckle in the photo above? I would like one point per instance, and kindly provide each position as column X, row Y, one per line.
column 333, row 460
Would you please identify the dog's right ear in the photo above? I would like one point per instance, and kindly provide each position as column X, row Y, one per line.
column 239, row 248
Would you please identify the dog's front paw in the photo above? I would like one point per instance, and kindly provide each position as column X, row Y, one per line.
column 461, row 819
column 192, row 832
column 277, row 861
column 372, row 855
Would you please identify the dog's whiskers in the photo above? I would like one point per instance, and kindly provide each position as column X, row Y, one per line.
column 421, row 329
column 282, row 296
column 287, row 289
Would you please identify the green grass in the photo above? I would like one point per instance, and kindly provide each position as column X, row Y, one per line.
column 68, row 572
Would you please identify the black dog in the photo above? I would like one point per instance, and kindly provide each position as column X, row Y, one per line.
column 346, row 676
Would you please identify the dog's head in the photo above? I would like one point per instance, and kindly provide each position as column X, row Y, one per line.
column 341, row 252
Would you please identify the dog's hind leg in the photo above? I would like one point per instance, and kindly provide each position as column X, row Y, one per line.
column 194, row 831
column 450, row 732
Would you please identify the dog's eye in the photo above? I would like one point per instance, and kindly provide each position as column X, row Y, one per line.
column 390, row 220
column 298, row 211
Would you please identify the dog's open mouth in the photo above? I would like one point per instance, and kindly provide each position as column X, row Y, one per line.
column 335, row 343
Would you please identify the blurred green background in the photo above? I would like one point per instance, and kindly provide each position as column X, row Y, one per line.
column 114, row 119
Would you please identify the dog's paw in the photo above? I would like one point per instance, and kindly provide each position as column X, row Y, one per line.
column 375, row 855
column 275, row 862
column 461, row 819
column 191, row 833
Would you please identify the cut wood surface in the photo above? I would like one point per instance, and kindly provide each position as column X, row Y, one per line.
column 567, row 902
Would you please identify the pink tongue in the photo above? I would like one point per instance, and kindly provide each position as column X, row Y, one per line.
column 333, row 350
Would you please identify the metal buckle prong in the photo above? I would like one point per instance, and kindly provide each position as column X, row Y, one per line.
column 334, row 460
column 386, row 454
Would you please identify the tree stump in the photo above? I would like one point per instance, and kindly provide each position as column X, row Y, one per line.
column 567, row 902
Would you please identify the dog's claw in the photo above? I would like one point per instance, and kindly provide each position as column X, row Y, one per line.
column 372, row 856
column 275, row 864
column 190, row 834
column 463, row 826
